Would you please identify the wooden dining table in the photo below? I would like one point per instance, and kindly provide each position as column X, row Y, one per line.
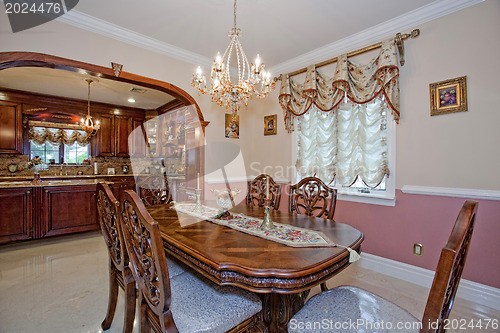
column 280, row 274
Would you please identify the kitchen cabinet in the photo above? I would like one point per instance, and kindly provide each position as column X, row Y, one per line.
column 112, row 139
column 11, row 129
column 54, row 208
column 104, row 141
column 68, row 209
column 16, row 214
column 120, row 185
column 123, row 128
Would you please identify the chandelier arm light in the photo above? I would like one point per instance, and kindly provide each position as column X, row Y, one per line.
column 223, row 90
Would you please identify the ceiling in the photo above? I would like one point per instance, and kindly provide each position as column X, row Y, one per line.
column 278, row 30
column 73, row 85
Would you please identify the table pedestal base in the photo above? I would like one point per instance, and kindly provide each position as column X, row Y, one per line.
column 278, row 309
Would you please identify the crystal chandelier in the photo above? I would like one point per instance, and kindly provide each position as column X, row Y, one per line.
column 223, row 90
column 88, row 124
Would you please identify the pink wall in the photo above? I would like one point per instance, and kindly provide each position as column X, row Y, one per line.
column 390, row 232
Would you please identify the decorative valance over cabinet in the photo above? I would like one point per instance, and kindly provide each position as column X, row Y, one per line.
column 56, row 136
column 359, row 83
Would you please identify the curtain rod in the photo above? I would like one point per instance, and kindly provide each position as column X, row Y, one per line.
column 398, row 39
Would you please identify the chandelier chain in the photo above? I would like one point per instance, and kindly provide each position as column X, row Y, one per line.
column 234, row 14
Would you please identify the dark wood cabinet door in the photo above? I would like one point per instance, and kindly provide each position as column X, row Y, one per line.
column 11, row 131
column 69, row 209
column 104, row 141
column 137, row 139
column 15, row 217
column 123, row 127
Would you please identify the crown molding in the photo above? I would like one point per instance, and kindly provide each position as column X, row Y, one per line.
column 107, row 29
column 374, row 34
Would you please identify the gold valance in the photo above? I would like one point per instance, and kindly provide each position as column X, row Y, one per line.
column 56, row 136
column 359, row 83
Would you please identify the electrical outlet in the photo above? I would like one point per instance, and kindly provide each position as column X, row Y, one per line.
column 418, row 249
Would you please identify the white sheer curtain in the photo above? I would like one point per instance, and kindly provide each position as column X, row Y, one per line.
column 345, row 145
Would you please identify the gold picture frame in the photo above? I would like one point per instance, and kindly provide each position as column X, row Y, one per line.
column 232, row 128
column 270, row 125
column 448, row 96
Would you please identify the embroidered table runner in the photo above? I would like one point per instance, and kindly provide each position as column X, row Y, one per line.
column 283, row 233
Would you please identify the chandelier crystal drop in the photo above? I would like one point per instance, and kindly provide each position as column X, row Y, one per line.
column 234, row 91
column 88, row 124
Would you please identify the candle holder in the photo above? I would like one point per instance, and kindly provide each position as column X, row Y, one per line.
column 198, row 208
column 267, row 223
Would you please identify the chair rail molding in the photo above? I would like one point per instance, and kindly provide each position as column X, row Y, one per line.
column 452, row 192
column 468, row 290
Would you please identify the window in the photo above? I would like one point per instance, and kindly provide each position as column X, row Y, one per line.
column 351, row 149
column 74, row 154
column 46, row 152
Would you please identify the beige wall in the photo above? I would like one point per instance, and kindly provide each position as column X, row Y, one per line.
column 456, row 150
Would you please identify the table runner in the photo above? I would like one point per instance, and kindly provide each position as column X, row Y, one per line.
column 283, row 233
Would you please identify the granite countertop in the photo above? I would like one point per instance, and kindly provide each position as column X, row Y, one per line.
column 22, row 181
column 47, row 183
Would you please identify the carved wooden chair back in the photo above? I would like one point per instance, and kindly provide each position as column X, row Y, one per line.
column 119, row 272
column 154, row 190
column 449, row 269
column 141, row 235
column 257, row 191
column 311, row 196
column 108, row 208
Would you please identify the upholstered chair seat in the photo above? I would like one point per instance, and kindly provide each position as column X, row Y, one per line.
column 228, row 305
column 345, row 305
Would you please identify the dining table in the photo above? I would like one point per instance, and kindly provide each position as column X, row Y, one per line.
column 280, row 274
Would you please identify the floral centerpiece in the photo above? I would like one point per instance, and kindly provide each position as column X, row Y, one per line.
column 37, row 165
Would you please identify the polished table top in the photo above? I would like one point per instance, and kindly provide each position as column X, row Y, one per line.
column 230, row 257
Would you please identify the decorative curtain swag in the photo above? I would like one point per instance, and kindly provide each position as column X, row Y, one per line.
column 359, row 83
column 56, row 136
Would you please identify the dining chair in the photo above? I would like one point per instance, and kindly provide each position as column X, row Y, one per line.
column 312, row 197
column 119, row 272
column 350, row 304
column 257, row 191
column 184, row 303
column 154, row 190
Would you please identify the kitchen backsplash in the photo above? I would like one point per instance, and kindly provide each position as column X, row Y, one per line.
column 104, row 164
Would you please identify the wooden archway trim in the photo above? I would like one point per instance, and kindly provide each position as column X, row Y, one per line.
column 33, row 59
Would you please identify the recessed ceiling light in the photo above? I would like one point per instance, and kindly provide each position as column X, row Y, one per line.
column 131, row 100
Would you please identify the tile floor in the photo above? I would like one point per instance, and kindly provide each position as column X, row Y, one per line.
column 61, row 285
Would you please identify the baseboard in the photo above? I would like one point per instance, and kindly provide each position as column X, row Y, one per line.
column 468, row 290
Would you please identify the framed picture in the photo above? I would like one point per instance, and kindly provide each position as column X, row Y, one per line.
column 270, row 125
column 448, row 96
column 111, row 171
column 232, row 126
